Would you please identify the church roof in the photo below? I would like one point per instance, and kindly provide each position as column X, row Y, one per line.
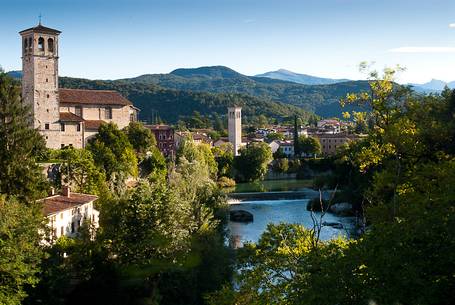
column 70, row 117
column 41, row 29
column 93, row 124
column 92, row 97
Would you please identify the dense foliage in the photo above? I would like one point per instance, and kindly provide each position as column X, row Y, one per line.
column 20, row 145
column 403, row 174
column 158, row 103
column 253, row 161
column 322, row 99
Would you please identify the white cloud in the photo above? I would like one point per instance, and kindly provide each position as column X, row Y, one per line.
column 423, row 50
column 452, row 25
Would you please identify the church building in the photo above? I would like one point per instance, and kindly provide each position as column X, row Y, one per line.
column 65, row 117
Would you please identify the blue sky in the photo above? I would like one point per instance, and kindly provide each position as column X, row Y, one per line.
column 104, row 39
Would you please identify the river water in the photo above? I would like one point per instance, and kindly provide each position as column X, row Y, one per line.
column 276, row 211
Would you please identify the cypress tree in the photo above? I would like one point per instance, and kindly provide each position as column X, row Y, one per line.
column 296, row 138
column 20, row 145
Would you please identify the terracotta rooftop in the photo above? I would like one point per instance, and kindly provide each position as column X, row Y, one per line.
column 93, row 124
column 159, row 127
column 60, row 203
column 92, row 97
column 41, row 29
column 70, row 117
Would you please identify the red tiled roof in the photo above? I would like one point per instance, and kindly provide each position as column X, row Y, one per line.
column 158, row 127
column 59, row 203
column 93, row 124
column 41, row 29
column 70, row 117
column 92, row 97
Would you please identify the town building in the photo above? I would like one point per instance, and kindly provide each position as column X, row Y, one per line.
column 65, row 117
column 235, row 128
column 286, row 147
column 68, row 211
column 165, row 138
column 330, row 143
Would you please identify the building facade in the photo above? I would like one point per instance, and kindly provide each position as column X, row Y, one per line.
column 68, row 211
column 65, row 117
column 165, row 137
column 330, row 143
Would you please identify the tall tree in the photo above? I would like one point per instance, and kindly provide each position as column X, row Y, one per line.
column 114, row 154
column 297, row 151
column 253, row 161
column 140, row 137
column 20, row 145
column 20, row 249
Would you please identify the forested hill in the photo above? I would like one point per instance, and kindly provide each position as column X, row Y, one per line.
column 171, row 104
column 321, row 99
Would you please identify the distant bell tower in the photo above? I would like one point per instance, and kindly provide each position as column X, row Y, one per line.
column 40, row 80
column 235, row 128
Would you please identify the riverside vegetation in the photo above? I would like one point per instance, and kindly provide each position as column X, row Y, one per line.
column 162, row 241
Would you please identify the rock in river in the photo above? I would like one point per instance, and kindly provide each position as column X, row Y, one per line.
column 240, row 216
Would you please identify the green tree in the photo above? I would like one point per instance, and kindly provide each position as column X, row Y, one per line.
column 20, row 145
column 281, row 165
column 153, row 165
column 79, row 170
column 114, row 154
column 309, row 146
column 253, row 161
column 140, row 137
column 274, row 136
column 201, row 153
column 224, row 157
column 20, row 249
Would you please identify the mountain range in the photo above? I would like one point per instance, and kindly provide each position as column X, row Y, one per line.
column 305, row 79
column 434, row 85
column 211, row 89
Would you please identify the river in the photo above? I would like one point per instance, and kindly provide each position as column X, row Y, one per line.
column 276, row 211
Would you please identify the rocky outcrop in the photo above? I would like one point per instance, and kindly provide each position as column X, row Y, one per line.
column 240, row 216
column 342, row 208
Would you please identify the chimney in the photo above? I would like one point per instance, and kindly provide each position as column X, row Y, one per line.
column 66, row 191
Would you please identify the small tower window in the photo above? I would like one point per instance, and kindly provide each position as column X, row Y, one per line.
column 30, row 43
column 46, row 126
column 41, row 44
column 50, row 45
column 25, row 45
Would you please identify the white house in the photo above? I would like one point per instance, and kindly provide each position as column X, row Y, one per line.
column 67, row 212
column 287, row 147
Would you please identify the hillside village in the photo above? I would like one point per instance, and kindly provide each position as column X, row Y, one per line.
column 205, row 186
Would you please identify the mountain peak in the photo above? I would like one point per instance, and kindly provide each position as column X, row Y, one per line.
column 286, row 75
column 207, row 72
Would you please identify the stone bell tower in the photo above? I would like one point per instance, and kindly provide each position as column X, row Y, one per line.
column 40, row 80
column 235, row 128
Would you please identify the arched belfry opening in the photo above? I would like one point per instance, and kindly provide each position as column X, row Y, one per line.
column 41, row 44
column 50, row 45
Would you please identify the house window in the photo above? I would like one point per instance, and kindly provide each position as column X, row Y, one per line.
column 62, row 145
column 73, row 227
column 78, row 126
column 62, row 230
column 132, row 117
column 78, row 111
column 62, row 126
column 108, row 113
column 46, row 126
